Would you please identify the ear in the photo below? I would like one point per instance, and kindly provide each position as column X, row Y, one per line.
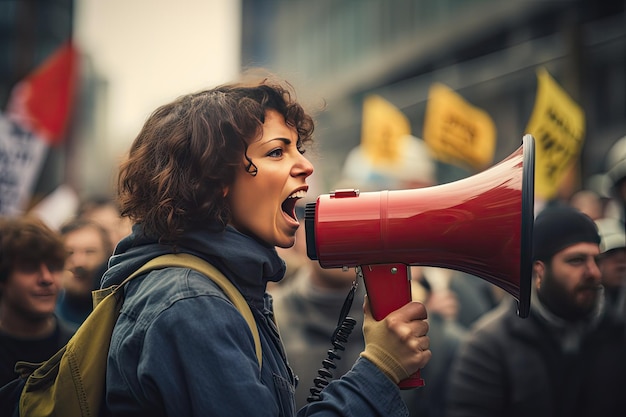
column 225, row 191
column 539, row 269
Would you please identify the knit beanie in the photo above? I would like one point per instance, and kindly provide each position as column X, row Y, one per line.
column 559, row 227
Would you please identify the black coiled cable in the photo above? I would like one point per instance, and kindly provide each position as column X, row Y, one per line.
column 338, row 340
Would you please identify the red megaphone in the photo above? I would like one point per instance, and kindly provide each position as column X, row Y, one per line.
column 481, row 225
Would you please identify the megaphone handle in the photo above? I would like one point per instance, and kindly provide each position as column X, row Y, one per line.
column 388, row 288
column 414, row 381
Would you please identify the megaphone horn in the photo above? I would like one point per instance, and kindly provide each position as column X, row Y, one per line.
column 481, row 225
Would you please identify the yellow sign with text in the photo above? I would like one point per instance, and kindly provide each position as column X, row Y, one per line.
column 558, row 125
column 385, row 131
column 456, row 131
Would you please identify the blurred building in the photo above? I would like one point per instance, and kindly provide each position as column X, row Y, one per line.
column 124, row 50
column 31, row 31
column 338, row 51
column 486, row 50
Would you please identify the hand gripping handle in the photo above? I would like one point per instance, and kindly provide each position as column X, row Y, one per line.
column 389, row 288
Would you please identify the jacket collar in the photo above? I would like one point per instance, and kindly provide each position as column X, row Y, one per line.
column 249, row 264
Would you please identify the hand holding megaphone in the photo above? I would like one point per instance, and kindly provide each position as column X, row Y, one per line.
column 397, row 344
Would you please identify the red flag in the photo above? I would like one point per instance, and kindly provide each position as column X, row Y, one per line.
column 42, row 102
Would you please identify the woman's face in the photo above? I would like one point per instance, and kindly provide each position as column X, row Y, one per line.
column 263, row 204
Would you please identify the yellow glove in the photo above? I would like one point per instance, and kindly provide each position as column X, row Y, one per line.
column 397, row 345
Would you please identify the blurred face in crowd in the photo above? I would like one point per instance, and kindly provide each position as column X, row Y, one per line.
column 109, row 217
column 86, row 253
column 31, row 290
column 613, row 268
column 263, row 205
column 570, row 282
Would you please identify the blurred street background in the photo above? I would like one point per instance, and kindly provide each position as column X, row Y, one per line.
column 138, row 54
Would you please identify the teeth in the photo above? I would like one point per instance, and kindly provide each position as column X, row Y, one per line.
column 298, row 194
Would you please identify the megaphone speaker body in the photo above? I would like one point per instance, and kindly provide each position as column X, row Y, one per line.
column 481, row 225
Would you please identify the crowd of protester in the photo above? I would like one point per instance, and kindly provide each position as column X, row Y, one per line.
column 565, row 359
column 47, row 275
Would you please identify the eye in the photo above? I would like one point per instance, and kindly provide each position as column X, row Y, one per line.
column 276, row 153
column 578, row 260
column 55, row 266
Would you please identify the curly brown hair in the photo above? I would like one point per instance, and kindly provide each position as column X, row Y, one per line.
column 188, row 152
column 26, row 240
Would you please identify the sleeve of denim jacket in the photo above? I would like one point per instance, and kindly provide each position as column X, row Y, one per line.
column 198, row 359
column 362, row 392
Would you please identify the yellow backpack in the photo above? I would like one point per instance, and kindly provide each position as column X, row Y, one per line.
column 72, row 382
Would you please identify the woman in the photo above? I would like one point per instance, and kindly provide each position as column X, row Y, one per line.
column 217, row 174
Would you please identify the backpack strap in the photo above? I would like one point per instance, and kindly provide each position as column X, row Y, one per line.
column 185, row 260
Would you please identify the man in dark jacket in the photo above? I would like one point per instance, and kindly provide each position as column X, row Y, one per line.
column 567, row 358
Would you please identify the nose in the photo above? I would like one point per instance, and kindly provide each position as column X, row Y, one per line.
column 45, row 275
column 594, row 270
column 302, row 167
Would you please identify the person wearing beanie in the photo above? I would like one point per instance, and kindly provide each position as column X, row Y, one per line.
column 567, row 358
column 565, row 231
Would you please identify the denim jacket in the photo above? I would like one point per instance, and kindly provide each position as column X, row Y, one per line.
column 180, row 348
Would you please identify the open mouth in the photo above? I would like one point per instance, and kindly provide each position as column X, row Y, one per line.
column 289, row 205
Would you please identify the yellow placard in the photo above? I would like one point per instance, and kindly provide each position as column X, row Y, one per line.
column 457, row 132
column 384, row 131
column 558, row 125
